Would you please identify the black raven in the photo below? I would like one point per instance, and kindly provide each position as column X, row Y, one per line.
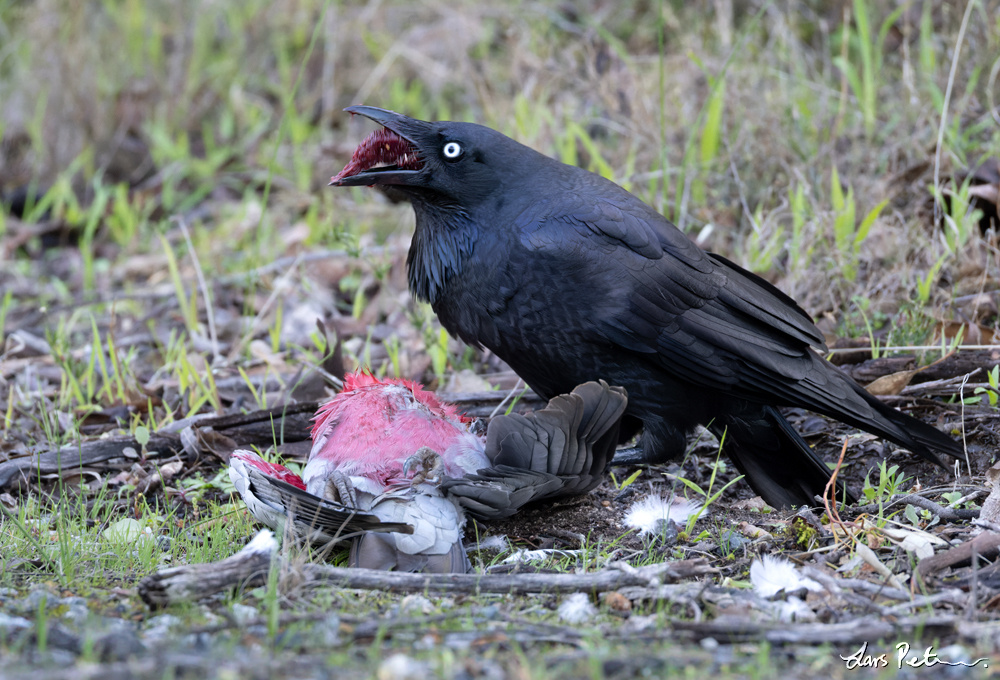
column 569, row 278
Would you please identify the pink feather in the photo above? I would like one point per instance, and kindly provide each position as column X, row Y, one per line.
column 271, row 469
column 373, row 426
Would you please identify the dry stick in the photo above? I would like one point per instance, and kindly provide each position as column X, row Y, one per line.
column 944, row 108
column 928, row 387
column 986, row 524
column 965, row 499
column 946, row 514
column 192, row 582
column 961, row 399
column 507, row 398
column 986, row 544
column 974, row 595
column 209, row 313
column 908, row 348
column 739, row 187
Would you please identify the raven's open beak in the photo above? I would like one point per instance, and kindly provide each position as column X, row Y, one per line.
column 387, row 156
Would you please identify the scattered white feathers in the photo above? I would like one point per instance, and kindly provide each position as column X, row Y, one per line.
column 264, row 542
column 576, row 608
column 651, row 514
column 522, row 555
column 795, row 609
column 490, row 543
column 770, row 575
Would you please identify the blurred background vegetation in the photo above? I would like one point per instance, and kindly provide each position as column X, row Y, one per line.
column 158, row 159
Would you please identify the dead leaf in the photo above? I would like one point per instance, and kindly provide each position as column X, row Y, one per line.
column 170, row 469
column 920, row 543
column 755, row 503
column 872, row 560
column 987, row 192
column 617, row 601
column 890, row 385
column 750, row 531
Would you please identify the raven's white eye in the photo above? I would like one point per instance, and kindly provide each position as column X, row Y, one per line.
column 452, row 150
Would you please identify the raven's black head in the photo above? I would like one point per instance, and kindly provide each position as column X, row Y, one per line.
column 460, row 164
column 457, row 176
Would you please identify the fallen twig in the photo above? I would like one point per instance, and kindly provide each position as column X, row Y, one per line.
column 850, row 632
column 193, row 582
column 986, row 545
column 946, row 514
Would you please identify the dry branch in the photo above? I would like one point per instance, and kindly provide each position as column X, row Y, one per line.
column 959, row 364
column 946, row 514
column 194, row 582
column 287, row 423
column 847, row 633
column 985, row 545
column 481, row 404
column 82, row 455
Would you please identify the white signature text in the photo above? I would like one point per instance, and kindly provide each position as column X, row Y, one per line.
column 862, row 659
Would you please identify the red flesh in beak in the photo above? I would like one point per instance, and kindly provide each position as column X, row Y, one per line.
column 381, row 148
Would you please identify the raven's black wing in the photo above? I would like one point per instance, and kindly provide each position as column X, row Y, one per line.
column 699, row 316
column 561, row 450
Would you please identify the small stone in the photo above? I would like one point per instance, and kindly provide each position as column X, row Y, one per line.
column 954, row 654
column 159, row 627
column 76, row 610
column 731, row 541
column 709, row 644
column 402, row 667
column 244, row 613
column 36, row 597
column 416, row 604
column 60, row 637
column 11, row 625
column 640, row 624
column 756, row 504
column 124, row 531
column 198, row 642
column 56, row 658
column 118, row 646
column 327, row 630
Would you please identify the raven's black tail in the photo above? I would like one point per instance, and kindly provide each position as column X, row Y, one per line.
column 778, row 464
column 900, row 428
